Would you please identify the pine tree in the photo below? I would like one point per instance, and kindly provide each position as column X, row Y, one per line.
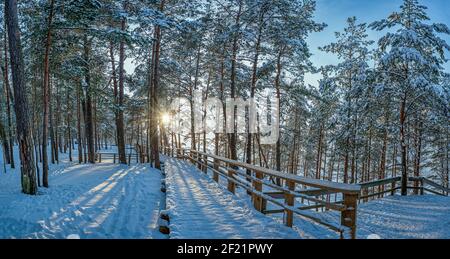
column 412, row 65
column 28, row 170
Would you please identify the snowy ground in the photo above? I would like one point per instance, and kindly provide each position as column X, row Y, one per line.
column 116, row 201
column 89, row 201
column 394, row 217
column 423, row 217
column 199, row 208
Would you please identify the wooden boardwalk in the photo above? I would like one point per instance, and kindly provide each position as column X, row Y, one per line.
column 199, row 208
column 202, row 197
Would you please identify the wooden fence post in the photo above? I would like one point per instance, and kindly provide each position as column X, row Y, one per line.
column 421, row 186
column 289, row 199
column 216, row 168
column 257, row 199
column 393, row 188
column 100, row 158
column 348, row 216
column 231, row 184
column 205, row 166
column 198, row 159
column 114, row 161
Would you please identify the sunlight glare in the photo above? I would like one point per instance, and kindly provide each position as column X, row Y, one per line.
column 165, row 118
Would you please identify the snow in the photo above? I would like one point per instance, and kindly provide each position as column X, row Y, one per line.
column 393, row 217
column 84, row 201
column 199, row 208
column 118, row 201
column 411, row 217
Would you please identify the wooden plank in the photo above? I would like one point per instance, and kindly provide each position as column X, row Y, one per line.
column 434, row 192
column 435, row 185
column 308, row 192
column 378, row 193
column 380, row 182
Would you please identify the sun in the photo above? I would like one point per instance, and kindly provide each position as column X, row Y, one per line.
column 165, row 118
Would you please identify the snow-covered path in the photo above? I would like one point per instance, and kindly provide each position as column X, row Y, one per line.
column 91, row 201
column 200, row 208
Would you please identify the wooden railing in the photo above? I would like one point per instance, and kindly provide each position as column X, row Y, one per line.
column 377, row 189
column 283, row 193
column 101, row 156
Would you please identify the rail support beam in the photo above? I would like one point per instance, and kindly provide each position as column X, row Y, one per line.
column 231, row 184
column 289, row 199
column 257, row 200
column 348, row 216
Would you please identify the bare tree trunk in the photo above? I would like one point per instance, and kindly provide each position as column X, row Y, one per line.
column 79, row 140
column 404, row 190
column 89, row 124
column 24, row 135
column 69, row 124
column 278, row 93
column 319, row 153
column 120, row 117
column 253, row 87
column 46, row 98
column 232, row 136
column 155, row 85
column 58, row 148
column 418, row 156
column 9, row 156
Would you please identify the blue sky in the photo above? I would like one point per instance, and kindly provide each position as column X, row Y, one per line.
column 335, row 13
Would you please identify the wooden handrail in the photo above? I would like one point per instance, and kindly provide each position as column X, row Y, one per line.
column 435, row 185
column 321, row 184
column 380, row 182
column 421, row 186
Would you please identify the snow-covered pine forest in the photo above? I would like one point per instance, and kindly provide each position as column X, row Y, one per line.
column 82, row 79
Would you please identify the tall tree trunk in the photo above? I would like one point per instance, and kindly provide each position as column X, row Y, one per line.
column 253, row 87
column 24, row 135
column 120, row 117
column 418, row 155
column 9, row 156
column 89, row 123
column 404, row 183
column 69, row 124
column 46, row 98
column 79, row 139
column 319, row 153
column 232, row 136
column 382, row 172
column 278, row 93
column 155, row 85
column 58, row 147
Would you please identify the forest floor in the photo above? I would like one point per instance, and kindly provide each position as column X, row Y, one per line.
column 84, row 201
